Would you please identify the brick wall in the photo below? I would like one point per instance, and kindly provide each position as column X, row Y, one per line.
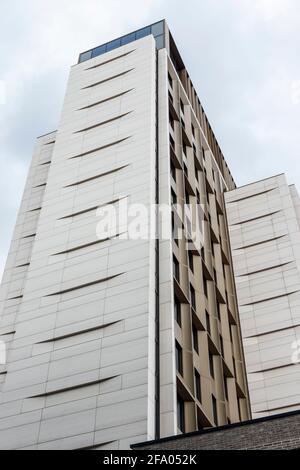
column 276, row 432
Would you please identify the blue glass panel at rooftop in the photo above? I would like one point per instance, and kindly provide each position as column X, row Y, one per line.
column 156, row 29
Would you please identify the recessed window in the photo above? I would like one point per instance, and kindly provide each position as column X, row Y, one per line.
column 226, row 388
column 179, row 361
column 211, row 364
column 127, row 39
column 195, row 339
column 191, row 261
column 180, row 414
column 207, row 322
column 99, row 50
column 215, row 410
column 176, row 269
column 219, row 310
column 173, row 171
column 197, row 385
column 222, row 345
column 182, row 106
column 193, row 297
column 173, row 197
column 205, row 287
column 143, row 32
column 157, row 29
column 177, row 311
column 113, row 45
column 193, row 130
column 170, row 80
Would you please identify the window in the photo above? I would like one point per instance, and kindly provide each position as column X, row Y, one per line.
column 157, row 29
column 176, row 269
column 222, row 345
column 170, row 81
column 182, row 106
column 211, row 364
column 191, row 261
column 173, row 197
column 98, row 51
column 215, row 410
column 174, row 230
column 171, row 121
column 143, row 32
column 207, row 322
column 113, row 45
column 172, row 142
column 179, row 363
column 219, row 310
column 127, row 39
column 205, row 287
column 193, row 130
column 187, row 197
column 195, row 339
column 177, row 311
column 184, row 149
column 180, row 414
column 173, row 171
column 226, row 388
column 197, row 385
column 193, row 297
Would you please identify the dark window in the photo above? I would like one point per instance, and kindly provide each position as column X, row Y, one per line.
column 174, row 230
column 180, row 414
column 127, row 39
column 179, row 363
column 113, row 45
column 205, row 287
column 182, row 106
column 170, row 80
column 172, row 142
column 226, row 388
column 197, row 385
column 193, row 297
column 99, row 50
column 187, row 197
column 219, row 310
column 207, row 322
column 176, row 269
column 239, row 409
column 171, row 121
column 173, row 197
column 191, row 261
column 193, row 130
column 211, row 364
column 184, row 149
column 222, row 345
column 215, row 410
column 177, row 311
column 215, row 275
column 195, row 339
column 173, row 171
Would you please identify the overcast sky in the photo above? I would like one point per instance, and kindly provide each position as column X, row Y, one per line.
column 242, row 55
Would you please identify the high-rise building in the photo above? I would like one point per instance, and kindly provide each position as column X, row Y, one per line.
column 115, row 340
column 264, row 227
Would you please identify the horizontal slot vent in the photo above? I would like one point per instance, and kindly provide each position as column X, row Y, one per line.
column 22, row 265
column 77, row 333
column 50, row 143
column 45, row 163
column 270, row 298
column 251, row 196
column 82, row 286
column 35, row 210
column 89, row 152
column 260, row 243
column 74, row 387
column 278, row 408
column 86, row 245
column 108, row 121
column 107, row 79
column 90, row 209
column 95, row 446
column 266, row 333
column 270, row 369
column 105, row 100
column 40, row 185
column 265, row 269
column 110, row 60
column 16, row 298
column 8, row 333
column 29, row 236
column 3, row 373
column 87, row 180
column 256, row 218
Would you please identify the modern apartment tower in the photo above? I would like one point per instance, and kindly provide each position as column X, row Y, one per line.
column 112, row 341
column 264, row 227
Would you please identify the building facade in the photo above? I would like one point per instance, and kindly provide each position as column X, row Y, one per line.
column 114, row 340
column 264, row 227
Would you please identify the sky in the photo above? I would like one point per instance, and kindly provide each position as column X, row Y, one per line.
column 242, row 56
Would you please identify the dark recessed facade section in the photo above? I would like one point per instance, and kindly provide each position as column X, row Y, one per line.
column 83, row 286
column 77, row 333
column 102, row 123
column 156, row 29
column 89, row 152
column 110, row 98
column 87, row 180
column 111, row 60
column 69, row 389
column 107, row 79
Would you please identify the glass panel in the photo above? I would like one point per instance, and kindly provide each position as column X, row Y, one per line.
column 113, row 44
column 85, row 56
column 143, row 32
column 157, row 29
column 99, row 50
column 160, row 41
column 127, row 39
